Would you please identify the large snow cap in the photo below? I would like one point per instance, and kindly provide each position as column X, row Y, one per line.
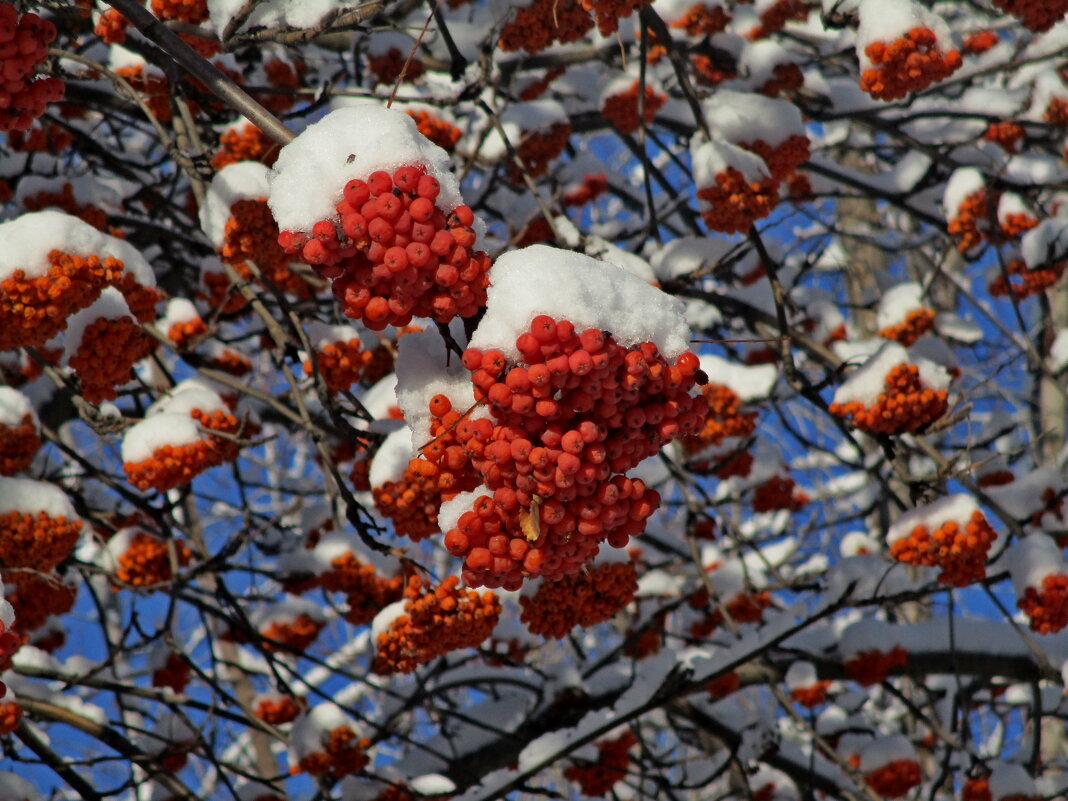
column 590, row 293
column 311, row 171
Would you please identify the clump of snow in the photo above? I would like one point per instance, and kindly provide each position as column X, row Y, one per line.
column 16, row 788
column 749, row 383
column 884, row 750
column 801, row 674
column 710, row 158
column 1032, row 559
column 897, row 302
column 185, row 397
column 590, row 293
column 1046, row 242
column 451, row 510
column 179, row 310
column 1011, row 779
column 242, row 180
column 963, row 182
column 29, row 238
column 518, row 120
column 881, row 21
column 142, row 439
column 688, row 254
column 432, row 784
column 309, row 177
column 286, row 611
column 959, row 507
column 14, row 406
column 857, row 543
column 738, row 117
column 867, row 382
column 391, row 459
column 30, row 497
column 1011, row 203
column 1058, row 352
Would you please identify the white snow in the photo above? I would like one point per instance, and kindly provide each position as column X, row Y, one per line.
column 1046, row 242
column 142, row 439
column 306, row 736
column 243, row 180
column 14, row 406
column 963, row 182
column 391, row 459
column 867, row 382
column 15, row 788
column 286, row 611
column 590, row 293
column 1011, row 203
column 884, row 750
column 179, row 310
column 185, row 397
column 30, row 497
column 801, row 674
column 1011, row 779
column 451, row 510
column 29, row 238
column 688, row 254
column 749, row 383
column 738, row 117
column 321, row 334
column 432, row 784
column 959, row 507
column 384, row 619
column 883, row 20
column 1032, row 559
column 1058, row 352
column 518, row 120
column 311, row 171
column 897, row 302
column 713, row 157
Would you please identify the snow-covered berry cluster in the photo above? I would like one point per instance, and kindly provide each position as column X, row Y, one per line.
column 776, row 14
column 1023, row 282
column 608, row 13
column 38, row 524
column 951, row 534
column 805, row 687
column 1040, row 576
column 537, row 148
column 1007, row 135
column 1038, row 15
column 702, row 19
column 439, row 131
column 917, row 322
column 23, row 49
column 909, row 63
column 621, row 108
column 144, row 560
column 431, row 623
column 19, row 436
column 291, row 630
column 889, row 766
column 979, row 42
column 582, row 599
column 596, row 778
column 36, row 597
column 536, row 26
column 103, row 343
column 338, row 752
column 592, row 187
column 244, row 142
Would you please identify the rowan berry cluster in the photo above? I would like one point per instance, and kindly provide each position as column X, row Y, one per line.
column 976, row 788
column 894, row 779
column 1023, row 282
column 536, row 26
column 171, row 466
column 597, row 778
column 905, row 406
column 537, row 148
column 774, row 18
column 23, row 48
column 251, row 234
column 724, row 419
column 183, row 332
column 591, row 188
column 36, row 540
column 872, row 667
column 228, row 360
column 244, row 143
column 397, row 255
column 736, row 202
column 340, row 363
column 111, row 27
column 970, row 223
column 44, row 137
column 960, row 550
column 412, row 502
column 387, row 67
column 367, row 593
column 1014, row 224
column 536, row 88
column 18, row 444
column 278, row 710
column 146, row 561
column 712, row 72
column 294, row 633
column 441, row 132
column 608, row 13
column 979, row 42
column 909, row 63
column 811, row 696
column 281, row 75
column 778, row 492
column 435, row 622
column 173, row 673
column 1006, row 135
column 105, row 358
column 1038, row 15
column 702, row 20
column 35, row 597
column 784, row 78
column 10, row 716
column 917, row 322
column 193, row 12
column 64, row 199
column 743, row 607
column 622, row 109
column 586, row 598
column 154, row 89
column 343, row 754
column 1056, row 112
column 1047, row 606
column 578, row 408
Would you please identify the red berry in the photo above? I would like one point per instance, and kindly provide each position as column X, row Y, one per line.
column 357, row 193
column 543, row 328
column 464, row 215
column 422, row 210
column 407, row 178
column 396, row 259
column 379, row 182
column 428, row 187
column 314, row 251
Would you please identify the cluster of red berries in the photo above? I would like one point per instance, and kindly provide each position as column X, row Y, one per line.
column 172, row 466
column 1006, row 135
column 340, row 363
column 293, row 634
column 281, row 75
column 536, row 149
column 608, row 13
column 778, row 492
column 387, row 67
column 976, row 788
column 579, row 408
column 917, row 322
column 583, row 599
column 36, row 540
column 812, row 695
column 774, row 18
column 743, row 607
column 397, row 255
column 367, row 593
column 146, row 562
column 412, row 502
column 1023, row 282
column 782, row 159
column 106, row 355
column 722, row 686
column 1047, row 606
column 154, row 89
column 872, row 667
column 440, row 620
column 536, row 88
column 251, row 234
column 894, row 779
column 1038, row 15
column 597, row 778
column 784, row 78
column 711, row 71
column 230, row 361
column 735, row 202
column 979, row 42
column 10, row 716
column 960, row 550
column 702, row 20
column 64, row 199
column 111, row 27
column 278, row 710
column 173, row 673
column 909, row 63
column 23, row 47
column 536, row 26
column 591, row 188
column 970, row 222
column 724, row 419
column 905, row 406
column 44, row 137
column 183, row 332
column 441, row 132
column 1013, row 225
column 343, row 754
column 1056, row 112
column 18, row 444
column 36, row 597
column 244, row 143
column 622, row 109
column 192, row 12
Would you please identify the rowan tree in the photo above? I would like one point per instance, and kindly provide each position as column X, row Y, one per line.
column 554, row 399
